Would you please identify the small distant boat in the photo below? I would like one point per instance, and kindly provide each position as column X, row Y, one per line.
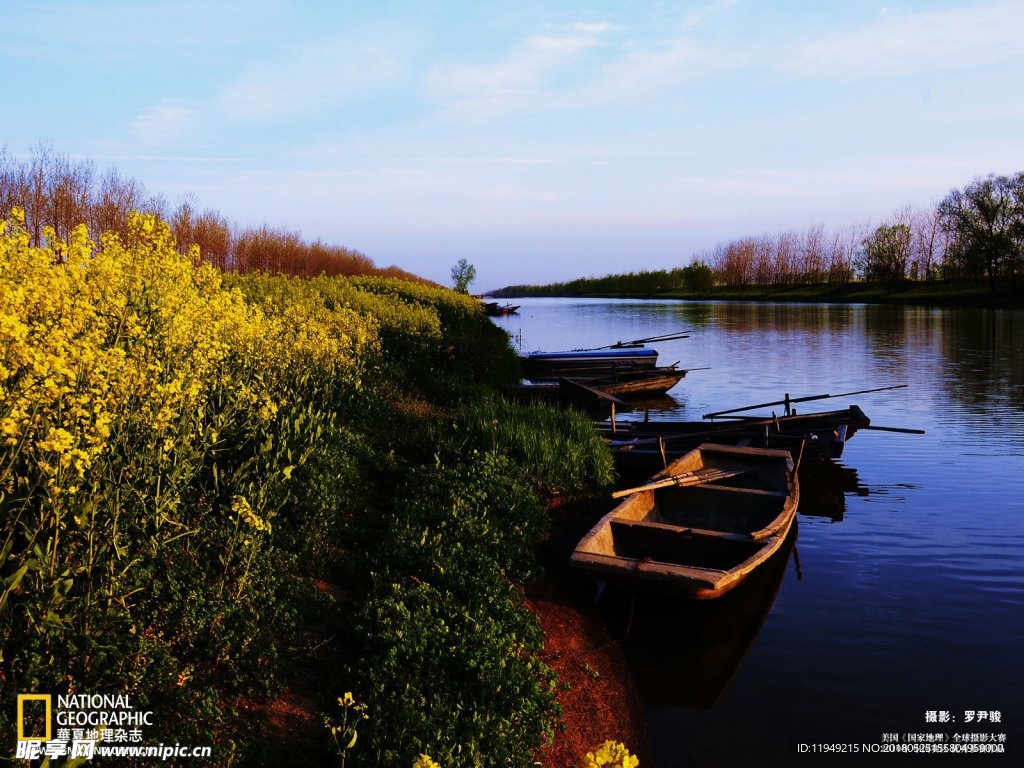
column 700, row 527
column 494, row 309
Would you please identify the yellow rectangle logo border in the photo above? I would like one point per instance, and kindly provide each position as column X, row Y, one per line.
column 48, row 700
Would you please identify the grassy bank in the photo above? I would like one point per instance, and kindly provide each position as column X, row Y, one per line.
column 934, row 293
column 189, row 457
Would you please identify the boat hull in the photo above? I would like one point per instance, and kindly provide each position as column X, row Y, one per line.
column 587, row 363
column 638, row 383
column 637, row 446
column 698, row 540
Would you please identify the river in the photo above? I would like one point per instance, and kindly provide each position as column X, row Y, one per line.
column 898, row 617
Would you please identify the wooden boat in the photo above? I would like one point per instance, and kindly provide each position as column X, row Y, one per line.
column 700, row 527
column 644, row 447
column 494, row 309
column 614, row 358
column 586, row 362
column 596, row 393
column 639, row 382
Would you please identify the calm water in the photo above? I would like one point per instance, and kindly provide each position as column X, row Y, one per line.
column 905, row 592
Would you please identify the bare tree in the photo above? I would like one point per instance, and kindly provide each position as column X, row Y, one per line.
column 927, row 248
column 813, row 255
column 115, row 199
column 69, row 186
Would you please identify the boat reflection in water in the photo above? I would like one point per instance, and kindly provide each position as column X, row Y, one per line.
column 684, row 653
column 824, row 486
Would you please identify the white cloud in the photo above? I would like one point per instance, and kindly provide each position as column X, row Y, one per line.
column 316, row 77
column 643, row 69
column 594, row 28
column 900, row 43
column 524, row 77
column 701, row 16
column 585, row 64
column 165, row 124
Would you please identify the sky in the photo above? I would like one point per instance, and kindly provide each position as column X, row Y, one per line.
column 542, row 141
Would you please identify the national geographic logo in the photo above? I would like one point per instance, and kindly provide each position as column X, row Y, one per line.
column 47, row 702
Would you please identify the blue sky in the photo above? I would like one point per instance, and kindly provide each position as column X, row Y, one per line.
column 540, row 140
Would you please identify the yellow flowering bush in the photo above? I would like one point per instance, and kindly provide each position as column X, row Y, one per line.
column 179, row 445
column 612, row 754
column 424, row 761
column 151, row 419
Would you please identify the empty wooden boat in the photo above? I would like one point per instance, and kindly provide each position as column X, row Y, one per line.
column 639, row 382
column 597, row 361
column 586, row 362
column 700, row 527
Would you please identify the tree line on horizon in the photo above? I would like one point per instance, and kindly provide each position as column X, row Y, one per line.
column 57, row 191
column 974, row 235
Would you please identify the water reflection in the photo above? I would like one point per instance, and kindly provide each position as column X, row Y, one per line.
column 824, row 486
column 685, row 653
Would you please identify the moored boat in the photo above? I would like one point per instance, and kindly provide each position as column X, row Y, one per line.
column 644, row 381
column 587, row 362
column 643, row 447
column 699, row 527
column 494, row 309
column 597, row 361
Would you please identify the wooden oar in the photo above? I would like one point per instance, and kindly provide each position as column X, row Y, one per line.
column 662, row 337
column 586, row 392
column 682, row 479
column 790, row 400
column 639, row 342
column 902, row 430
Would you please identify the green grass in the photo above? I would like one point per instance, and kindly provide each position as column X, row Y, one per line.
column 560, row 448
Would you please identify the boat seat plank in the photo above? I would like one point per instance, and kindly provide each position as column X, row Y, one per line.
column 679, row 529
column 734, row 489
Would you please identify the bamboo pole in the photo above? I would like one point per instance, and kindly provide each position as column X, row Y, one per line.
column 683, row 479
column 787, row 401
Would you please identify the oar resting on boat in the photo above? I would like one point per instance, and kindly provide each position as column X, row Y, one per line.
column 682, row 479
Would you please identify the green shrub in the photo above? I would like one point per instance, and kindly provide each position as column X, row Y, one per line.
column 449, row 681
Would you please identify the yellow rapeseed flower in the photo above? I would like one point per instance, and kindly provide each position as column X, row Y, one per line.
column 611, row 754
column 58, row 440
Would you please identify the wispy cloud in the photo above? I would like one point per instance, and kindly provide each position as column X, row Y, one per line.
column 702, row 15
column 904, row 43
column 593, row 28
column 526, row 76
column 583, row 64
column 165, row 124
column 641, row 69
column 318, row 76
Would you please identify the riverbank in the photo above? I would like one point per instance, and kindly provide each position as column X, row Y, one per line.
column 598, row 697
column 933, row 293
column 254, row 504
